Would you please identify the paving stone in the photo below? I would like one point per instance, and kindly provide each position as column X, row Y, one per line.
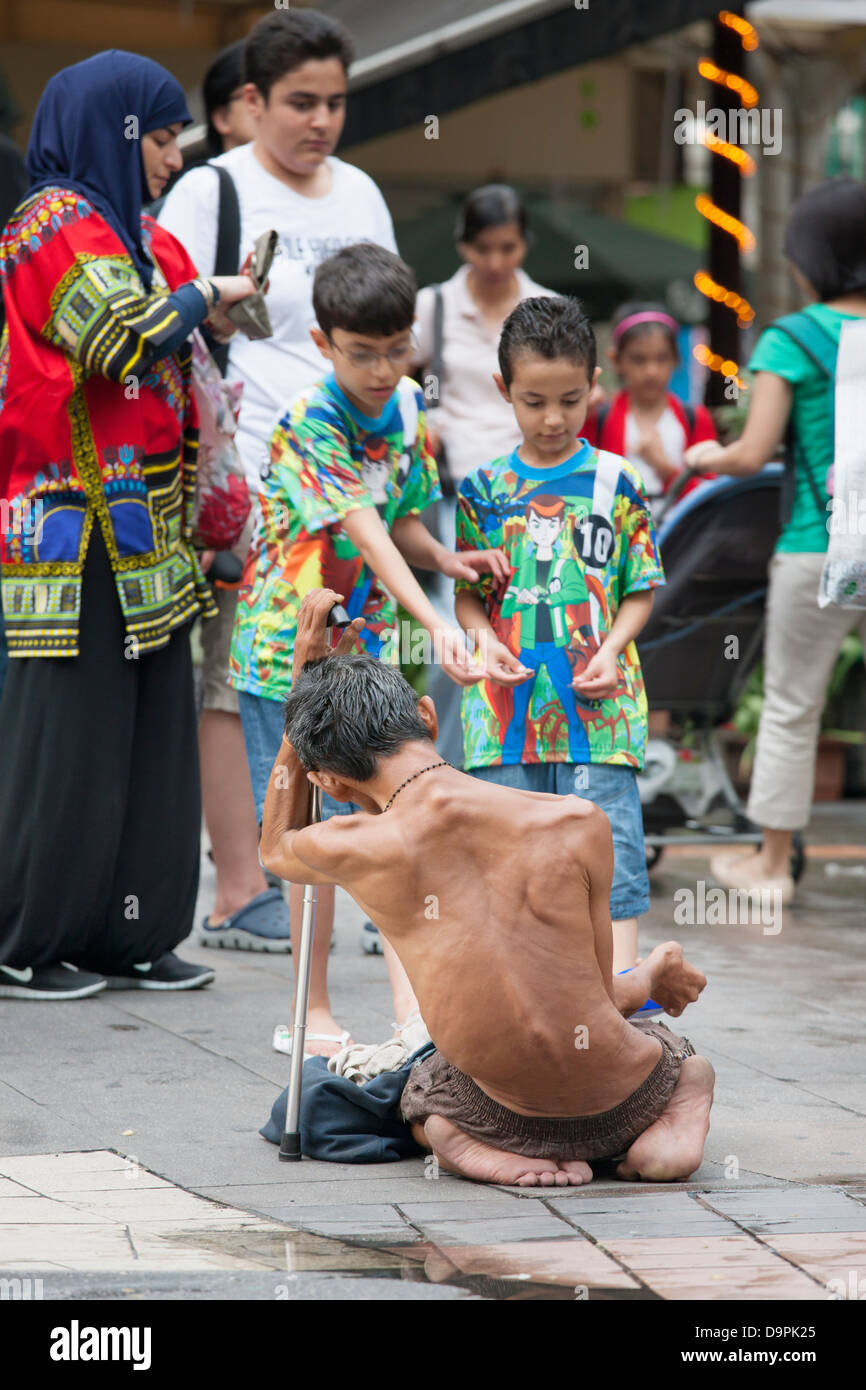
column 358, row 1211
column 397, row 1187
column 571, row 1262
column 13, row 1189
column 800, row 1210
column 66, row 1185
column 150, row 1204
column 58, row 1242
column 476, row 1209
column 41, row 1167
column 678, row 1214
column 723, row 1252
column 849, row 1244
column 829, row 1256
column 498, row 1230
column 34, row 1210
column 752, row 1284
column 365, row 1233
column 246, row 1285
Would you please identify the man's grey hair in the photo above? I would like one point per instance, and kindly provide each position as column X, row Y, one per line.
column 345, row 712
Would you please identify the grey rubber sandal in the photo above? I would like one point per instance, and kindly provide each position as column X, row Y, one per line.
column 262, row 925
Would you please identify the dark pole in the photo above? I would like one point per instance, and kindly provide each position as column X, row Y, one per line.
column 725, row 191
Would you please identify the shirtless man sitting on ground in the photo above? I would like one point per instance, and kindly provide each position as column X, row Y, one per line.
column 496, row 902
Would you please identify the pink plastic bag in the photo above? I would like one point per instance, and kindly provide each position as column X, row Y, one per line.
column 222, row 498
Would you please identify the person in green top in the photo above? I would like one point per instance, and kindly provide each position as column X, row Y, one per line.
column 794, row 364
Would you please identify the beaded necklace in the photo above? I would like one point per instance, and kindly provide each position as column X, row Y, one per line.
column 429, row 768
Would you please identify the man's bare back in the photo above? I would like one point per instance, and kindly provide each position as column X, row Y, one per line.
column 487, row 895
column 497, row 903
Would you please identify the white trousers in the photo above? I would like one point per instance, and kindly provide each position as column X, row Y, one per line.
column 800, row 649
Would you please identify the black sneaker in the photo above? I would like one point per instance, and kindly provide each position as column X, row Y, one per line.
column 166, row 973
column 49, row 982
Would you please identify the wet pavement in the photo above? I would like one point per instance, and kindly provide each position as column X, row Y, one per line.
column 202, row 1208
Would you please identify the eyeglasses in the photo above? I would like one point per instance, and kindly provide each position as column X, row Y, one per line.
column 366, row 357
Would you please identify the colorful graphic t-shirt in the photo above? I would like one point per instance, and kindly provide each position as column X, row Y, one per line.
column 579, row 538
column 327, row 459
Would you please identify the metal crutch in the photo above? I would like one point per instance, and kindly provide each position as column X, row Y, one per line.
column 290, row 1147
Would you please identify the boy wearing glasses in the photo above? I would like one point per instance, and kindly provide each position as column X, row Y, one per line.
column 350, row 471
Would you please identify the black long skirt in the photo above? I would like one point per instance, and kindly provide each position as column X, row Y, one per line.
column 100, row 803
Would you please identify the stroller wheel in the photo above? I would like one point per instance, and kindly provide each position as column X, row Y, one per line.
column 798, row 857
column 653, row 855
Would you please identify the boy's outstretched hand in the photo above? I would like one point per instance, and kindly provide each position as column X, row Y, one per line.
column 470, row 564
column 600, row 677
column 503, row 666
column 451, row 650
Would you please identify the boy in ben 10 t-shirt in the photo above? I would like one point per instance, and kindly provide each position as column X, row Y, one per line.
column 562, row 708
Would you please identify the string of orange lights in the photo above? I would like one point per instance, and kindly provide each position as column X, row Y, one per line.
column 723, row 149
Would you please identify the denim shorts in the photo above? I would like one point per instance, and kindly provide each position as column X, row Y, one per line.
column 614, row 789
column 263, row 722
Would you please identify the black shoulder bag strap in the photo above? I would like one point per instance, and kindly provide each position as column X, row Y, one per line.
column 446, row 482
column 228, row 249
column 600, row 421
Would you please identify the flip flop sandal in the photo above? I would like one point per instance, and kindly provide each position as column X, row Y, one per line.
column 262, row 925
column 283, row 1039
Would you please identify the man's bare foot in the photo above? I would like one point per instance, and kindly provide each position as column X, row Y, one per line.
column 469, row 1158
column 672, row 1148
column 578, row 1171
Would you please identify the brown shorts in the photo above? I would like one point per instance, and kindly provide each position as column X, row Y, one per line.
column 216, row 641
column 216, row 637
column 436, row 1088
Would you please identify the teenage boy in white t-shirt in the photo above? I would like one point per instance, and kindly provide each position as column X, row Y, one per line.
column 295, row 65
column 287, row 179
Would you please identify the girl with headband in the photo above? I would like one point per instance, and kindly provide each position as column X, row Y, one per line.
column 645, row 422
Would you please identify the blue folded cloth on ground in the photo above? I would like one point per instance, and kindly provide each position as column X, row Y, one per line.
column 342, row 1122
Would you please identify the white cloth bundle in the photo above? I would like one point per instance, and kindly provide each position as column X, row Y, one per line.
column 361, row 1062
column 843, row 579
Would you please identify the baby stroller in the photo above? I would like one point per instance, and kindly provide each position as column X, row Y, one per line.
column 716, row 544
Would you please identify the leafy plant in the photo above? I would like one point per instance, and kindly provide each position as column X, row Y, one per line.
column 747, row 715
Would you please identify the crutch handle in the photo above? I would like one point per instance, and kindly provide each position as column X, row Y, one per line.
column 338, row 617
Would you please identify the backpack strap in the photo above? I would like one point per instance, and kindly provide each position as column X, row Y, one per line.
column 600, row 419
column 819, row 346
column 228, row 247
column 446, row 481
column 821, row 349
column 408, row 407
column 438, row 342
column 691, row 416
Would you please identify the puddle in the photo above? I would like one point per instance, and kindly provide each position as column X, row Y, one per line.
column 301, row 1252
